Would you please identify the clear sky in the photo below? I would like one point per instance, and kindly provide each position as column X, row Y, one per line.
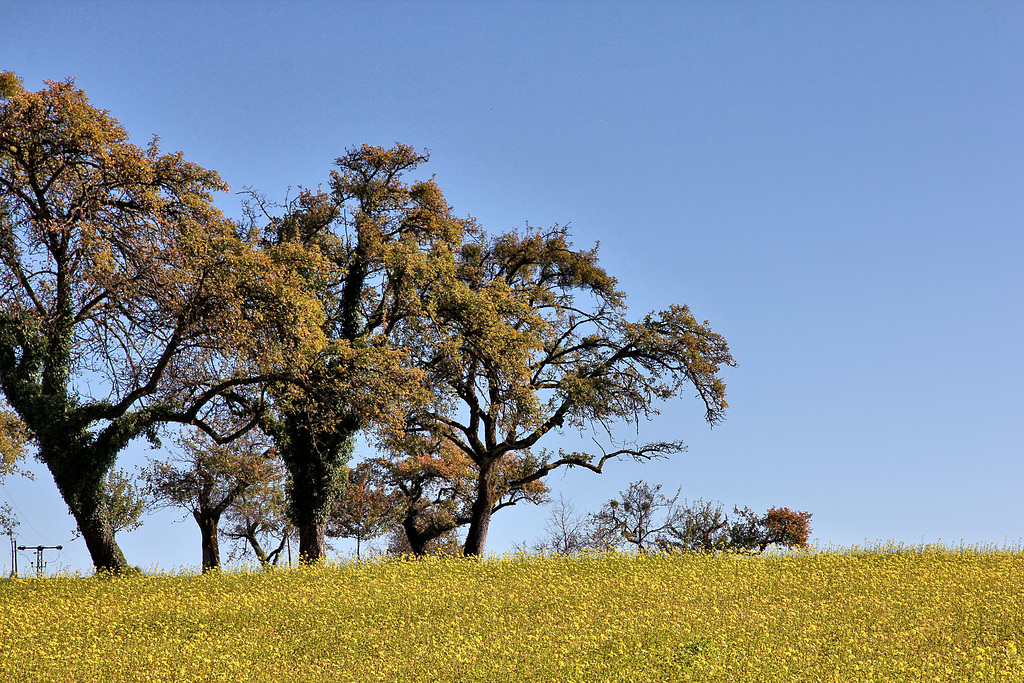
column 836, row 187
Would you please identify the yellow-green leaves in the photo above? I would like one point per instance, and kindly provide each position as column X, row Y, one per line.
column 10, row 84
column 377, row 244
column 117, row 256
column 531, row 335
column 14, row 438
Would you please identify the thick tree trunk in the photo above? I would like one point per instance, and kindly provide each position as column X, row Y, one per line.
column 103, row 549
column 312, row 546
column 417, row 541
column 420, row 539
column 211, row 546
column 476, row 538
column 316, row 462
column 81, row 485
column 311, row 493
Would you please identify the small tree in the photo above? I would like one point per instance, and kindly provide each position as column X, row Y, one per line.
column 642, row 518
column 434, row 489
column 258, row 520
column 778, row 526
column 14, row 440
column 8, row 521
column 207, row 479
column 566, row 531
column 365, row 510
column 125, row 499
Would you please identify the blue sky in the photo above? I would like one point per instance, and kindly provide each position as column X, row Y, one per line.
column 836, row 187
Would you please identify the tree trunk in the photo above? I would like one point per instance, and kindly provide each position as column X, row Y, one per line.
column 267, row 561
column 480, row 522
column 99, row 539
column 417, row 541
column 316, row 461
column 312, row 546
column 84, row 495
column 211, row 545
column 254, row 543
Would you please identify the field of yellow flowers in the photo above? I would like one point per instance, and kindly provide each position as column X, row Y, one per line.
column 882, row 614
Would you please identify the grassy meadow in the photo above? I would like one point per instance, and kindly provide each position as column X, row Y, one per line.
column 881, row 614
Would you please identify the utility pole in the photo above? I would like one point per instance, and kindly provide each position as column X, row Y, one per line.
column 14, row 556
column 40, row 565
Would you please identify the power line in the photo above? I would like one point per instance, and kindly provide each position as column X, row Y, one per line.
column 21, row 514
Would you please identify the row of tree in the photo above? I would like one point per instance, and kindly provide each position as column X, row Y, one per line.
column 131, row 307
column 641, row 519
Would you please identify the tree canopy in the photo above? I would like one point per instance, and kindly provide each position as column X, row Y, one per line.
column 128, row 301
column 115, row 266
column 386, row 243
column 531, row 336
column 208, row 478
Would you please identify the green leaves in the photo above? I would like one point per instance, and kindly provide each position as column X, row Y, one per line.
column 365, row 307
column 124, row 500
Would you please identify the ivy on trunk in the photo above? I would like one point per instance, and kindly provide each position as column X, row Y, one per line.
column 114, row 262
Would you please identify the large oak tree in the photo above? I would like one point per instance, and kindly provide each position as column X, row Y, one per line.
column 126, row 299
column 531, row 336
column 386, row 243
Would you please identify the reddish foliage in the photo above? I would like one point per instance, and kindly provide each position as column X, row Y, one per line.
column 787, row 527
column 780, row 526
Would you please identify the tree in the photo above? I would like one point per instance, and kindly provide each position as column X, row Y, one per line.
column 531, row 336
column 386, row 242
column 433, row 487
column 8, row 521
column 778, row 526
column 124, row 499
column 364, row 511
column 447, row 543
column 258, row 521
column 566, row 531
column 642, row 519
column 128, row 301
column 207, row 479
column 14, row 440
column 645, row 520
column 701, row 526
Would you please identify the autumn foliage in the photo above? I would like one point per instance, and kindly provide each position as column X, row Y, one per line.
column 780, row 526
column 132, row 306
